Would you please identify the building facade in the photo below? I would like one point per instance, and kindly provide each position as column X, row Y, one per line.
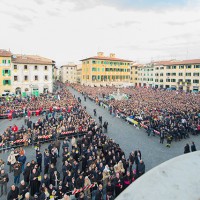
column 5, row 71
column 79, row 74
column 179, row 75
column 31, row 74
column 102, row 70
column 69, row 73
column 145, row 75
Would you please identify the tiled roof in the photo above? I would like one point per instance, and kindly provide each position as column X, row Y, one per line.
column 4, row 53
column 178, row 62
column 31, row 59
column 106, row 58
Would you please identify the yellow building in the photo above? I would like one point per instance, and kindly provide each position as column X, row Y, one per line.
column 5, row 71
column 183, row 75
column 102, row 70
column 134, row 73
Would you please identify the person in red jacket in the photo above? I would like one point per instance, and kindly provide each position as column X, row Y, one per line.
column 15, row 128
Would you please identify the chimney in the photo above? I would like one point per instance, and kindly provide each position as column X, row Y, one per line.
column 112, row 55
column 100, row 54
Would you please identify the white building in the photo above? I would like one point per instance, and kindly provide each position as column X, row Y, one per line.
column 69, row 73
column 31, row 74
column 146, row 75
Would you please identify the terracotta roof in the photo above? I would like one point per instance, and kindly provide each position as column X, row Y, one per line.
column 4, row 53
column 31, row 59
column 106, row 58
column 178, row 62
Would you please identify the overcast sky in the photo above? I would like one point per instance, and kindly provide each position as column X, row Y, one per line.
column 70, row 30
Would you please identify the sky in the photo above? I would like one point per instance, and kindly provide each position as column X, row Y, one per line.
column 70, row 30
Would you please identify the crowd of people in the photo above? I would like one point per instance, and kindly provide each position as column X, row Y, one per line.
column 173, row 114
column 61, row 116
column 93, row 165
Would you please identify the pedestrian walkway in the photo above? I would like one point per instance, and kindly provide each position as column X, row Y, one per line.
column 130, row 138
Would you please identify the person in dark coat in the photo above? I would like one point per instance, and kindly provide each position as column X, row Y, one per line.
column 127, row 180
column 141, row 168
column 13, row 193
column 23, row 189
column 193, row 147
column 118, row 184
column 110, row 189
column 46, row 162
column 187, row 148
column 39, row 160
column 99, row 193
column 45, row 180
column 34, row 183
column 27, row 172
column 3, row 182
column 53, row 158
column 80, row 182
column 22, row 160
column 17, row 172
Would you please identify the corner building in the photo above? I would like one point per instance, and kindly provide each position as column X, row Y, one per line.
column 101, row 70
column 32, row 74
column 5, row 71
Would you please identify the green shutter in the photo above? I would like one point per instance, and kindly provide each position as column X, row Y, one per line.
column 9, row 82
column 9, row 61
column 3, row 82
column 3, row 61
column 3, row 72
column 9, row 72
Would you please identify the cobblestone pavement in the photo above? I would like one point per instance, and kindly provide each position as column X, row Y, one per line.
column 129, row 138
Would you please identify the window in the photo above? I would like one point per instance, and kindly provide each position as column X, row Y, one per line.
column 161, row 74
column 45, row 68
column 180, row 80
column 26, row 78
column 161, row 80
column 94, row 69
column 4, row 61
column 173, row 74
column 195, row 74
column 15, row 66
column 46, row 78
column 174, row 67
column 6, row 82
column 156, row 80
column 161, row 67
column 36, row 67
column 168, row 67
column 36, row 78
column 188, row 80
column 25, row 67
column 188, row 74
column 196, row 81
column 167, row 80
column 196, row 66
column 6, row 72
column 173, row 80
column 188, row 67
column 93, row 62
column 181, row 67
column 180, row 74
column 167, row 74
column 15, row 78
